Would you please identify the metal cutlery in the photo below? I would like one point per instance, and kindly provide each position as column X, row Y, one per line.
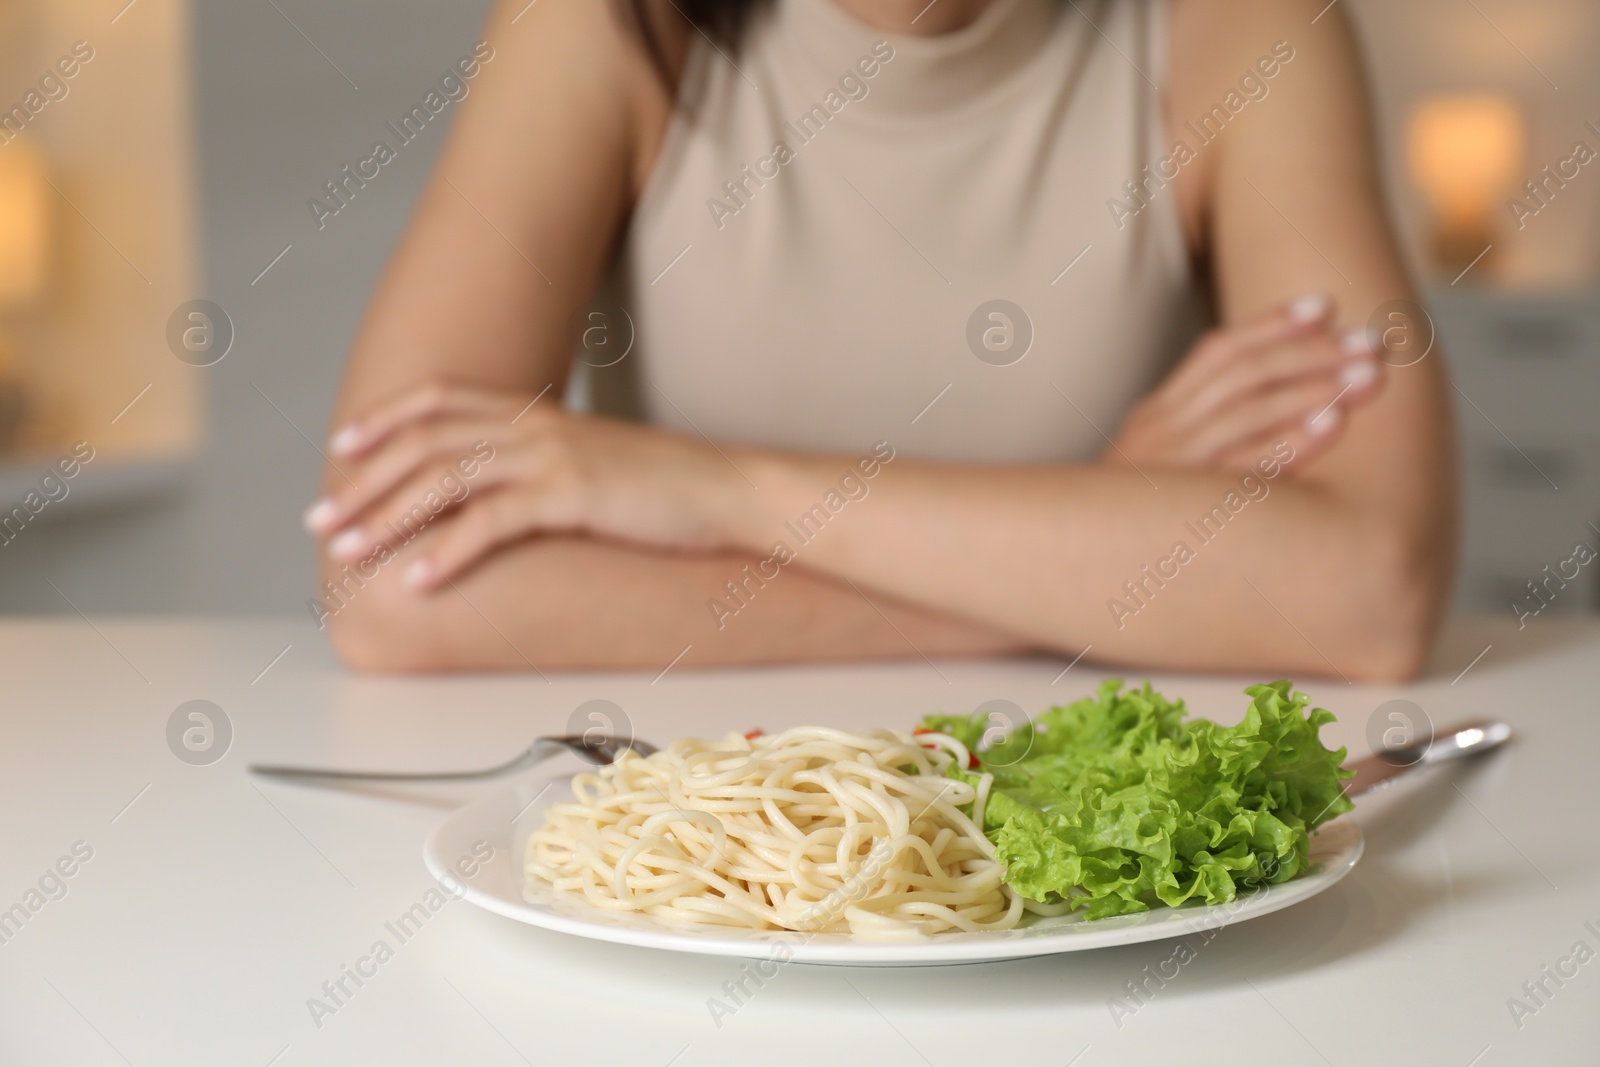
column 1468, row 739
column 1372, row 772
column 596, row 748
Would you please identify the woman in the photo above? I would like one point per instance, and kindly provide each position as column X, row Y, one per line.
column 910, row 296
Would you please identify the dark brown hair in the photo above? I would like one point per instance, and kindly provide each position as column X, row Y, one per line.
column 721, row 19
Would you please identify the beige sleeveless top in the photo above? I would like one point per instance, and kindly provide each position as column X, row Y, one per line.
column 851, row 236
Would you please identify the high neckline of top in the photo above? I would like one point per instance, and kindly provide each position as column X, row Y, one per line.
column 927, row 73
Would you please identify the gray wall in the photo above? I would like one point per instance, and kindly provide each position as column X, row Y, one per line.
column 273, row 121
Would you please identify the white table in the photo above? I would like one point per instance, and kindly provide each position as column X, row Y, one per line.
column 214, row 906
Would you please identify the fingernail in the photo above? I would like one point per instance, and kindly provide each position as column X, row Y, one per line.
column 1324, row 420
column 418, row 574
column 1359, row 375
column 349, row 545
column 320, row 516
column 1309, row 308
column 1356, row 342
column 345, row 441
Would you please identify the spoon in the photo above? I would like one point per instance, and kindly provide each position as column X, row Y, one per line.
column 596, row 748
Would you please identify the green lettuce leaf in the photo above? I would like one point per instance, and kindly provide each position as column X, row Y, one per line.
column 1118, row 804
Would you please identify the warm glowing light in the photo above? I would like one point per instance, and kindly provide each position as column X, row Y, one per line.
column 24, row 223
column 1465, row 152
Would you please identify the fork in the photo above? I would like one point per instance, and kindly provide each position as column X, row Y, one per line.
column 597, row 748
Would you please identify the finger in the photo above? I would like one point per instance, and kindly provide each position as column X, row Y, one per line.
column 465, row 443
column 485, row 524
column 1273, row 367
column 397, row 519
column 1356, row 383
column 1287, row 448
column 1305, row 317
column 434, row 400
column 434, row 490
column 1314, row 403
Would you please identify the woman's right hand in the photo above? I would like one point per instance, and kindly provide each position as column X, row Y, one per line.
column 1241, row 390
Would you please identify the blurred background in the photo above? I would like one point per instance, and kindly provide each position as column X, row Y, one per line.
column 167, row 297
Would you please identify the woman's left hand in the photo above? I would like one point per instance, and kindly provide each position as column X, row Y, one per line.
column 536, row 469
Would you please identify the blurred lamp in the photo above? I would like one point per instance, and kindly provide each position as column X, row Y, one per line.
column 24, row 224
column 1465, row 152
column 24, row 260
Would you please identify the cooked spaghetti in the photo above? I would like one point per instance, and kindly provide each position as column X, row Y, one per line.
column 812, row 830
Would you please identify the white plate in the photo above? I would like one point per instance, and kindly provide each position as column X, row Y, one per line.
column 505, row 817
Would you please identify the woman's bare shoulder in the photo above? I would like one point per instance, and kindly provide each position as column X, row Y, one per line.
column 598, row 56
column 1212, row 37
column 1246, row 73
